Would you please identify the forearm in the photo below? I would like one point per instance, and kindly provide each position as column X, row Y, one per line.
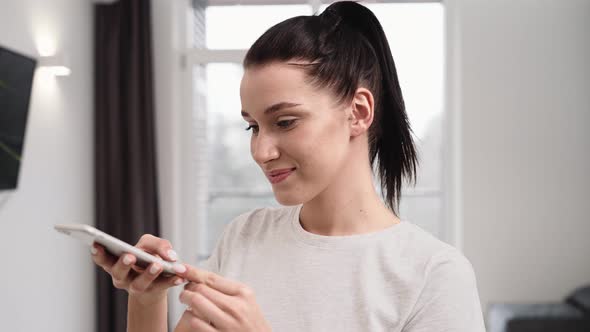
column 147, row 318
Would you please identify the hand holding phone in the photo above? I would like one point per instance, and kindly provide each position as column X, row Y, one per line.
column 114, row 246
column 120, row 259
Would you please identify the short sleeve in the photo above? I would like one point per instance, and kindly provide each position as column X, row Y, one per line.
column 215, row 261
column 449, row 301
column 212, row 262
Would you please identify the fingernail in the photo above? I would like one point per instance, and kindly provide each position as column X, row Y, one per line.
column 178, row 282
column 93, row 250
column 179, row 268
column 154, row 269
column 172, row 255
column 127, row 260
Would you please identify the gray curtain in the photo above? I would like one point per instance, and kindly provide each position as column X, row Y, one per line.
column 125, row 157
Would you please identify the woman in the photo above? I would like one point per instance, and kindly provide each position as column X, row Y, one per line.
column 322, row 98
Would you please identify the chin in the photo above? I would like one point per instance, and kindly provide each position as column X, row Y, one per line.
column 290, row 196
column 287, row 200
column 294, row 193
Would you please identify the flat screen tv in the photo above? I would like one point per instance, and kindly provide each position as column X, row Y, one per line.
column 16, row 79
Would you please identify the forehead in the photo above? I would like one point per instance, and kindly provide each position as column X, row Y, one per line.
column 282, row 83
column 267, row 85
column 277, row 78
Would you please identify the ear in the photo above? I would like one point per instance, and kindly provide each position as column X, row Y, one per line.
column 362, row 113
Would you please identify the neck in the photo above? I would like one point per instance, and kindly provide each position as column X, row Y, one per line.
column 350, row 205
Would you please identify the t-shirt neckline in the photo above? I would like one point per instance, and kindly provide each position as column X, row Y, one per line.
column 339, row 241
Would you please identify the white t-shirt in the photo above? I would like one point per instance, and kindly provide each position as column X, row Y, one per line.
column 398, row 279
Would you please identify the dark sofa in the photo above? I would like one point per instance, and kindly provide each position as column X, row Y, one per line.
column 571, row 315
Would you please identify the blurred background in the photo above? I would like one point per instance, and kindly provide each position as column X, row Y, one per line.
column 498, row 96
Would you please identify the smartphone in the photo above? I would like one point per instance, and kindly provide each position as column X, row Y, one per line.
column 114, row 246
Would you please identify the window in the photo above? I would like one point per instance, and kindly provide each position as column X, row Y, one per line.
column 235, row 184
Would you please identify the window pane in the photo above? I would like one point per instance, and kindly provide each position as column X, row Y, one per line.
column 236, row 183
column 419, row 60
column 231, row 166
column 251, row 23
column 424, row 211
column 415, row 32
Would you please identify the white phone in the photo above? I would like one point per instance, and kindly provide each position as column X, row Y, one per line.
column 116, row 247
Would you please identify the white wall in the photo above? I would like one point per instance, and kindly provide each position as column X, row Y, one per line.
column 47, row 280
column 525, row 110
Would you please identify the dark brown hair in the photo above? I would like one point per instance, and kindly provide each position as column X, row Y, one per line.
column 344, row 48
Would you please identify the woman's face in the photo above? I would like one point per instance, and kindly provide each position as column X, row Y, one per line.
column 294, row 127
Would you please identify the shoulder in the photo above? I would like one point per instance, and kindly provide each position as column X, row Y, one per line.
column 449, row 277
column 421, row 250
column 450, row 265
column 258, row 221
column 427, row 260
column 448, row 296
column 439, row 257
column 247, row 228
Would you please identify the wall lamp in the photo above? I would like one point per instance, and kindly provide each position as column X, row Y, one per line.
column 55, row 64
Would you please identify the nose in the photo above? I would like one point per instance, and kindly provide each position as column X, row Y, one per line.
column 263, row 148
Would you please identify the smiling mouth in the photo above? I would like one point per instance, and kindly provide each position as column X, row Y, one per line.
column 280, row 176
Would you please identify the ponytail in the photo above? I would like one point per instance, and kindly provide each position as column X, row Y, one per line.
column 325, row 41
column 391, row 144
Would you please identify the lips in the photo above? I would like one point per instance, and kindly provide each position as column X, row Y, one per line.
column 276, row 172
column 278, row 175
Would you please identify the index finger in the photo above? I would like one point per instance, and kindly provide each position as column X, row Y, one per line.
column 212, row 280
column 158, row 246
column 102, row 258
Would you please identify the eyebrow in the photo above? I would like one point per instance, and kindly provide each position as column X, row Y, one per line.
column 274, row 108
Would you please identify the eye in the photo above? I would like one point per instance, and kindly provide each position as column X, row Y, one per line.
column 285, row 123
column 253, row 127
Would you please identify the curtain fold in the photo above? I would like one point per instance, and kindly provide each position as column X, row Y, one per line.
column 126, row 202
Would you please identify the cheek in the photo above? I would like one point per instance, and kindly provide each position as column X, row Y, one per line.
column 320, row 150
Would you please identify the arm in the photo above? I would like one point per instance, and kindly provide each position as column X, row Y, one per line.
column 151, row 317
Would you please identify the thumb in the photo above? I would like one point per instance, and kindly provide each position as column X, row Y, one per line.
column 217, row 282
column 191, row 273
